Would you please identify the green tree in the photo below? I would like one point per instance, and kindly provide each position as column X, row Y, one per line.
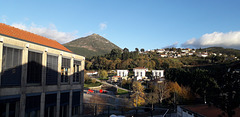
column 103, row 74
column 228, row 96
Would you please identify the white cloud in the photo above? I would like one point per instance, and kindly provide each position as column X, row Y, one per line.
column 49, row 32
column 173, row 45
column 219, row 39
column 103, row 26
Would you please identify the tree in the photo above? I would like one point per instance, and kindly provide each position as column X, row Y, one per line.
column 142, row 50
column 152, row 98
column 103, row 74
column 125, row 54
column 88, row 65
column 138, row 97
column 228, row 96
column 93, row 80
column 162, row 90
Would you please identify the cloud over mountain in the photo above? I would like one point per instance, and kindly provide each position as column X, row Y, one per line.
column 219, row 39
column 50, row 32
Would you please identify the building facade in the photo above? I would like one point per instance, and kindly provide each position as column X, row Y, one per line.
column 38, row 76
column 157, row 73
column 122, row 73
column 139, row 73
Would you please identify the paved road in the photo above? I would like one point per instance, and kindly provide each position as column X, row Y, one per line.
column 112, row 85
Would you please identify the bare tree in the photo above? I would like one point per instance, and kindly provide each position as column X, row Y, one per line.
column 162, row 90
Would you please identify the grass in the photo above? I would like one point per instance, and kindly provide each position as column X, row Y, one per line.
column 121, row 92
column 92, row 84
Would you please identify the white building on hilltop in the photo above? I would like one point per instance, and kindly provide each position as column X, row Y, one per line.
column 122, row 73
column 157, row 73
column 140, row 72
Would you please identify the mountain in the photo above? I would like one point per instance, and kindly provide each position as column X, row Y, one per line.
column 92, row 45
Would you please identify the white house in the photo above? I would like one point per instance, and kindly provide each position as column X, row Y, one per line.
column 160, row 50
column 157, row 73
column 122, row 73
column 140, row 72
column 163, row 55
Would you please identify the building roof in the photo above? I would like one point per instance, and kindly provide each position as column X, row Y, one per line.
column 209, row 111
column 31, row 37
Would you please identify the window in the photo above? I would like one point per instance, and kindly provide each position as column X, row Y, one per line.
column 50, row 105
column 64, row 103
column 76, row 74
column 32, row 106
column 34, row 73
column 65, row 70
column 10, row 107
column 76, row 103
column 52, row 70
column 11, row 67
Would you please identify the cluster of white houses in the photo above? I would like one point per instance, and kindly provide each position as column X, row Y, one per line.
column 139, row 74
column 38, row 76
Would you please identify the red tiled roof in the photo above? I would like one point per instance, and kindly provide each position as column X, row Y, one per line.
column 210, row 111
column 27, row 36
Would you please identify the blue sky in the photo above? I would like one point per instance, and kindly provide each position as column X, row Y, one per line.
column 148, row 24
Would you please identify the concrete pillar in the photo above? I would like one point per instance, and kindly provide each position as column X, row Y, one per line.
column 81, row 103
column 23, row 82
column 59, row 70
column 70, row 103
column 58, row 104
column 70, row 76
column 44, row 65
column 1, row 53
column 42, row 104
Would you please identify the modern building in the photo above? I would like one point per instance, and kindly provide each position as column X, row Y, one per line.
column 39, row 77
column 157, row 74
column 140, row 72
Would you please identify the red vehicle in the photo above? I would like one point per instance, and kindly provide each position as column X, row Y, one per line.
column 90, row 91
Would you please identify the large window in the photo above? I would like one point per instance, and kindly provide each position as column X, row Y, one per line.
column 11, row 66
column 32, row 106
column 64, row 104
column 34, row 73
column 52, row 70
column 65, row 69
column 76, row 74
column 50, row 105
column 76, row 103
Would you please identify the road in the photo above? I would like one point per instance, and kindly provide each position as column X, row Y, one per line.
column 111, row 85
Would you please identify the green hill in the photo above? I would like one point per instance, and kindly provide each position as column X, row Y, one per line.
column 227, row 51
column 92, row 45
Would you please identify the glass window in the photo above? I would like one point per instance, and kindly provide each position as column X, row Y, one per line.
column 65, row 69
column 52, row 70
column 11, row 66
column 34, row 73
column 32, row 106
column 76, row 74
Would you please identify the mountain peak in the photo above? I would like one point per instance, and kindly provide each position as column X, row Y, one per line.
column 91, row 45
